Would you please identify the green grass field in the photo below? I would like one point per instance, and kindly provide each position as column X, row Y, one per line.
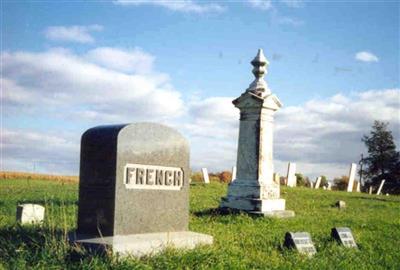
column 240, row 241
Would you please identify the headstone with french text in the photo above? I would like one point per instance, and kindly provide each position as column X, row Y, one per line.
column 134, row 190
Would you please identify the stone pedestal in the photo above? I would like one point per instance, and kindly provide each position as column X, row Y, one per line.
column 254, row 189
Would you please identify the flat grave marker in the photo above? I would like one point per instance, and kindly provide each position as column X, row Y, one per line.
column 344, row 236
column 301, row 241
column 29, row 213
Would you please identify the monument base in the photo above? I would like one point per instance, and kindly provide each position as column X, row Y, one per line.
column 258, row 207
column 145, row 244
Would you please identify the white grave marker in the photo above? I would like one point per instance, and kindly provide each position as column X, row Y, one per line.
column 380, row 187
column 358, row 186
column 329, row 186
column 370, row 190
column 291, row 175
column 29, row 213
column 205, row 175
column 352, row 175
column 233, row 173
column 318, row 182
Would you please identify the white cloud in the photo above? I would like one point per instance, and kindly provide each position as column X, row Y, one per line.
column 187, row 6
column 58, row 80
column 261, row 4
column 365, row 56
column 129, row 61
column 289, row 21
column 75, row 33
column 293, row 3
column 323, row 136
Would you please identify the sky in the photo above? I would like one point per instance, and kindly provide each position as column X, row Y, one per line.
column 69, row 66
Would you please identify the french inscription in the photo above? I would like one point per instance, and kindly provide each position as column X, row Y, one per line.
column 138, row 176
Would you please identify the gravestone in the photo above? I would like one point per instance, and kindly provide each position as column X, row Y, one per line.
column 205, row 175
column 233, row 173
column 300, row 241
column 370, row 190
column 380, row 187
column 344, row 236
column 329, row 186
column 29, row 213
column 318, row 182
column 134, row 190
column 277, row 178
column 352, row 175
column 358, row 186
column 340, row 204
column 254, row 190
column 291, row 175
column 311, row 184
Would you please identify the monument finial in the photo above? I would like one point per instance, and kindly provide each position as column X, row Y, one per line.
column 260, row 64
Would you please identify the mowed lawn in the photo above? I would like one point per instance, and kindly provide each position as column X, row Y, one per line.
column 240, row 241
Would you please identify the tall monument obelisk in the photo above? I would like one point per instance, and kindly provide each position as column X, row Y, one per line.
column 254, row 189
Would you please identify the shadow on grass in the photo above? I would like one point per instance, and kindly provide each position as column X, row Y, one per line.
column 215, row 212
column 32, row 243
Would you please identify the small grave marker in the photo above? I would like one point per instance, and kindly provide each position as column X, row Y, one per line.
column 301, row 241
column 291, row 175
column 29, row 213
column 319, row 178
column 352, row 175
column 233, row 173
column 370, row 190
column 205, row 175
column 344, row 236
column 380, row 187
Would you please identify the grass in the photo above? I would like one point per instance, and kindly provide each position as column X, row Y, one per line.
column 240, row 241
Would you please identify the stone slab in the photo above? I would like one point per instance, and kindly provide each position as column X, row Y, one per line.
column 301, row 241
column 29, row 213
column 291, row 175
column 352, row 175
column 205, row 175
column 134, row 179
column 139, row 245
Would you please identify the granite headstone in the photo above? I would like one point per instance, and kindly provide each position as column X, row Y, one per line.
column 134, row 180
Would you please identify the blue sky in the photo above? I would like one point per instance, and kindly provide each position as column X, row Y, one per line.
column 191, row 58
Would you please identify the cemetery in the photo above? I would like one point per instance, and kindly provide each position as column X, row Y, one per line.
column 136, row 206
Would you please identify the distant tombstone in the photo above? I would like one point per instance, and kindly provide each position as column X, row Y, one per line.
column 301, row 241
column 370, row 190
column 29, row 213
column 291, row 175
column 233, row 173
column 380, row 187
column 277, row 178
column 311, row 184
column 329, row 186
column 324, row 187
column 134, row 190
column 318, row 182
column 358, row 186
column 344, row 237
column 352, row 175
column 341, row 204
column 205, row 175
